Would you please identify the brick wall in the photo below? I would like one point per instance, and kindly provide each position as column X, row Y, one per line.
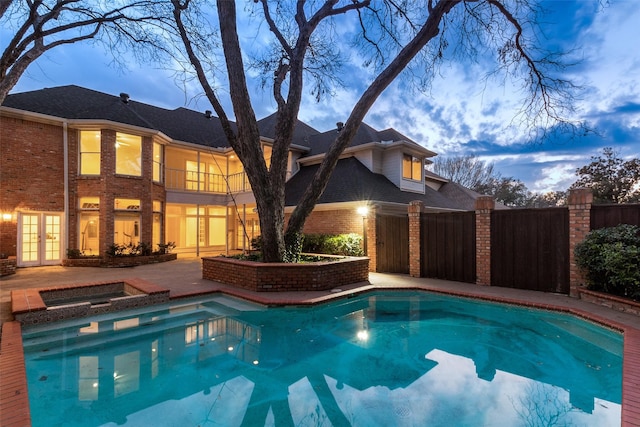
column 31, row 172
column 579, row 201
column 32, row 177
column 415, row 238
column 342, row 221
column 269, row 277
column 484, row 206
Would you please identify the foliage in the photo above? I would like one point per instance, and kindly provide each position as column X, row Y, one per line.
column 165, row 248
column 610, row 258
column 547, row 200
column 329, row 244
column 508, row 191
column 341, row 244
column 77, row 253
column 612, row 179
column 74, row 253
column 140, row 249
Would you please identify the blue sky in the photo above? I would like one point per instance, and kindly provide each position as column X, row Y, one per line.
column 460, row 115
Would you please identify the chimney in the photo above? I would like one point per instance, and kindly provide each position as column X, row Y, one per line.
column 124, row 97
column 207, row 114
column 339, row 125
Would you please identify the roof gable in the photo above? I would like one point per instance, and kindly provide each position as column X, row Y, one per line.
column 351, row 181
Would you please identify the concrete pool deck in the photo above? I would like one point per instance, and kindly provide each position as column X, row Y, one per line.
column 183, row 278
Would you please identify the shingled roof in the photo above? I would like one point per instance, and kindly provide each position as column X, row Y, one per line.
column 320, row 143
column 302, row 132
column 351, row 181
column 75, row 103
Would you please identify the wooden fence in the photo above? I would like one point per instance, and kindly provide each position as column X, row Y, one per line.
column 530, row 249
column 525, row 248
column 448, row 249
column 611, row 215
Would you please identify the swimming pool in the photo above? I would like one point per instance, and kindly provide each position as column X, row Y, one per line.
column 378, row 359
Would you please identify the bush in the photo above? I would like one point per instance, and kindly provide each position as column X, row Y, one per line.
column 341, row 244
column 610, row 258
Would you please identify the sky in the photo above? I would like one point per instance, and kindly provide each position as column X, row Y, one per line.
column 461, row 114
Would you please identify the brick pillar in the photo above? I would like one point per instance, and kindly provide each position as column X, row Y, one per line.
column 579, row 201
column 372, row 238
column 415, row 209
column 484, row 206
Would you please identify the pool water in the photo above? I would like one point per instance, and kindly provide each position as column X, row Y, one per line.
column 379, row 359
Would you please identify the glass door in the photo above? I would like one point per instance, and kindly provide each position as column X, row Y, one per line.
column 39, row 239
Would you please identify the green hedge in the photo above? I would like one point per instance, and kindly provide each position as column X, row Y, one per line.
column 610, row 259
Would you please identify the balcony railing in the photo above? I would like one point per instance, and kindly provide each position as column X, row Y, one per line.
column 203, row 182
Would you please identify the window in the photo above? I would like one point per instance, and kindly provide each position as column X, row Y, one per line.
column 411, row 167
column 158, row 160
column 89, row 237
column 128, row 154
column 126, row 204
column 195, row 175
column 90, row 152
column 126, row 226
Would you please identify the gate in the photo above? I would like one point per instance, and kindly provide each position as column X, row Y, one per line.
column 448, row 246
column 392, row 244
column 530, row 249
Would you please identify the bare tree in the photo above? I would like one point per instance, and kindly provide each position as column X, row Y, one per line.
column 468, row 171
column 305, row 43
column 39, row 26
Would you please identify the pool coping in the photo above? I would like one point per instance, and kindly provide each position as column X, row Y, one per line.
column 14, row 398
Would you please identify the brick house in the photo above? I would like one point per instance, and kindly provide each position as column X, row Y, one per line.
column 81, row 169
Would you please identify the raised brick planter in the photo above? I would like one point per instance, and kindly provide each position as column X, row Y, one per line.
column 8, row 266
column 612, row 301
column 119, row 261
column 275, row 277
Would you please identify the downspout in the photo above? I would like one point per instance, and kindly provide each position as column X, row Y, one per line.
column 65, row 150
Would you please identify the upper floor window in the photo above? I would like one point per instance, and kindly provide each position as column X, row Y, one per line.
column 411, row 167
column 128, row 154
column 126, row 204
column 158, row 160
column 90, row 152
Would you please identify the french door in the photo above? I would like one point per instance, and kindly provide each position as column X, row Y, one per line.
column 39, row 238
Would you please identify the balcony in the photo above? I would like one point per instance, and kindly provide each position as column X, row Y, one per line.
column 202, row 182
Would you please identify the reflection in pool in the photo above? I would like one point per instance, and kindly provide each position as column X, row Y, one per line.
column 380, row 359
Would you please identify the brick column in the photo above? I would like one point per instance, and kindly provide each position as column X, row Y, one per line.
column 415, row 209
column 579, row 201
column 372, row 238
column 484, row 206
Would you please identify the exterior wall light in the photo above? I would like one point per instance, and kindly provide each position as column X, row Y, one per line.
column 7, row 216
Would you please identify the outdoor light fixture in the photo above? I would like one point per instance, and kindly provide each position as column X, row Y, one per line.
column 6, row 216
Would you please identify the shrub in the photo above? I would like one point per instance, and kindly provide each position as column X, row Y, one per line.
column 74, row 253
column 165, row 248
column 341, row 244
column 610, row 259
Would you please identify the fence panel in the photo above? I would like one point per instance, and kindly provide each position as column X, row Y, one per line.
column 611, row 215
column 530, row 249
column 392, row 244
column 448, row 246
